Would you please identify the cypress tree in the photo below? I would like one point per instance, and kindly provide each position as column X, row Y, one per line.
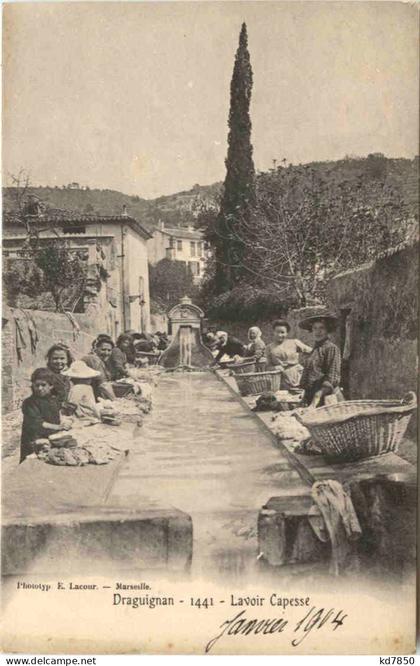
column 239, row 186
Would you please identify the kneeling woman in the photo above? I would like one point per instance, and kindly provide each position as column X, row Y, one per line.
column 121, row 355
column 99, row 360
column 322, row 371
column 81, row 394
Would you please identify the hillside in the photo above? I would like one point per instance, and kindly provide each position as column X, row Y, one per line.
column 400, row 173
column 181, row 208
column 175, row 210
column 103, row 202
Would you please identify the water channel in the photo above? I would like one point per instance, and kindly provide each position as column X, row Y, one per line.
column 202, row 453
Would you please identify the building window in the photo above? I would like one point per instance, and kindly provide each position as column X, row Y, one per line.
column 199, row 249
column 192, row 248
column 171, row 243
column 179, row 245
column 195, row 268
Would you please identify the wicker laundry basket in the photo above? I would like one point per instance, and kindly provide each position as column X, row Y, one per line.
column 242, row 368
column 122, row 389
column 359, row 429
column 254, row 383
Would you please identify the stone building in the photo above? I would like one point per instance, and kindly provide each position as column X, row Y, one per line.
column 116, row 293
column 184, row 244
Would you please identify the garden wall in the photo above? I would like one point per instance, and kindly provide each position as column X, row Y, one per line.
column 382, row 328
column 20, row 356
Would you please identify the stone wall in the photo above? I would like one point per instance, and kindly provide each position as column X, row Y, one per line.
column 51, row 327
column 159, row 322
column 382, row 327
column 382, row 300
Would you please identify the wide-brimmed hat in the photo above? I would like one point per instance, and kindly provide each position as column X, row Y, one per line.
column 330, row 319
column 80, row 370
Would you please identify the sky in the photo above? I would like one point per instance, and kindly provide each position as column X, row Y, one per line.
column 135, row 96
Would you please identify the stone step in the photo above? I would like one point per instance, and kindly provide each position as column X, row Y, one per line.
column 57, row 519
column 105, row 539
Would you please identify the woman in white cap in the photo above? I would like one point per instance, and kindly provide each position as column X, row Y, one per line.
column 256, row 346
column 81, row 394
column 228, row 345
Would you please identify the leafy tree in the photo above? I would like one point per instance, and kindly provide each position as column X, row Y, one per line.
column 239, row 193
column 306, row 227
column 63, row 271
column 52, row 269
column 169, row 281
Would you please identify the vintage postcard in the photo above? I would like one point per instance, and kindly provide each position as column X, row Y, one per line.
column 209, row 329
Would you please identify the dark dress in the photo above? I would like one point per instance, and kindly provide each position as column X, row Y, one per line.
column 36, row 410
column 117, row 364
column 233, row 347
column 62, row 386
column 322, row 370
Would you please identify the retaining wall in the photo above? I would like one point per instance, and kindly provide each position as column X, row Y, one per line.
column 20, row 358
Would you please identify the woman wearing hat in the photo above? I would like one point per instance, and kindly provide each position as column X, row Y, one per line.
column 81, row 394
column 322, row 371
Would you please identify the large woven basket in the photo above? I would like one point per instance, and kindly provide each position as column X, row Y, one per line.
column 359, row 429
column 121, row 389
column 242, row 368
column 254, row 383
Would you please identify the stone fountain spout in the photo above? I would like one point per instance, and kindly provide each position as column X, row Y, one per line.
column 186, row 349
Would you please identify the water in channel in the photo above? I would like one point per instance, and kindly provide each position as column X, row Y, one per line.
column 201, row 452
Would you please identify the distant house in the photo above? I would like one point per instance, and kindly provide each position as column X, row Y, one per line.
column 116, row 252
column 184, row 244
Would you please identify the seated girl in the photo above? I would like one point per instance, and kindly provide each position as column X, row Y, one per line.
column 41, row 412
column 59, row 358
column 81, row 394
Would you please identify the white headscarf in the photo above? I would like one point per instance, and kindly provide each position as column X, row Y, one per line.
column 222, row 337
column 254, row 329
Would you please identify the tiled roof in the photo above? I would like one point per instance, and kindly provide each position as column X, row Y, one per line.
column 59, row 218
column 181, row 232
column 408, row 243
